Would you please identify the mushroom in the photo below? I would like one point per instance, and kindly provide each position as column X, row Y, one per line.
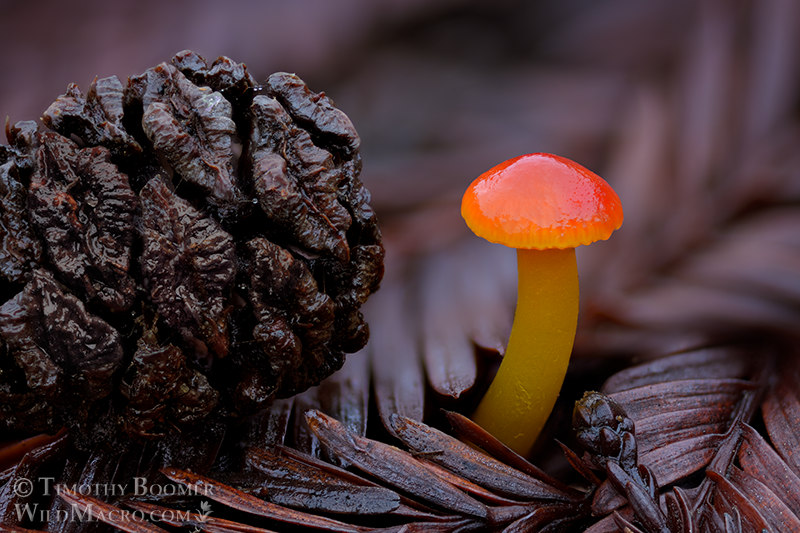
column 544, row 206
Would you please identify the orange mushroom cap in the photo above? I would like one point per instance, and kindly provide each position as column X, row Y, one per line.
column 541, row 201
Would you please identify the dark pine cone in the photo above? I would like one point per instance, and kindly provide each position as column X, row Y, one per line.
column 189, row 245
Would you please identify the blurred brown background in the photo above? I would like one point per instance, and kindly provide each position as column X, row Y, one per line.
column 688, row 107
column 439, row 90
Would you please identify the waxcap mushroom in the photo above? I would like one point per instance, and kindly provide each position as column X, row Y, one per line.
column 541, row 201
column 544, row 206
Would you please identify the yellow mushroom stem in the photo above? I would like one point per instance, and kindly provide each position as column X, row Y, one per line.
column 529, row 380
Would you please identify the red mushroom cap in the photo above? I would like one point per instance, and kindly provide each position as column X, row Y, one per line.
column 541, row 201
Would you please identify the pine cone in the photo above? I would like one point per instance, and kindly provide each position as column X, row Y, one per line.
column 188, row 245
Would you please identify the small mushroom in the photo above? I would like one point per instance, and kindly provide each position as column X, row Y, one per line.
column 544, row 206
